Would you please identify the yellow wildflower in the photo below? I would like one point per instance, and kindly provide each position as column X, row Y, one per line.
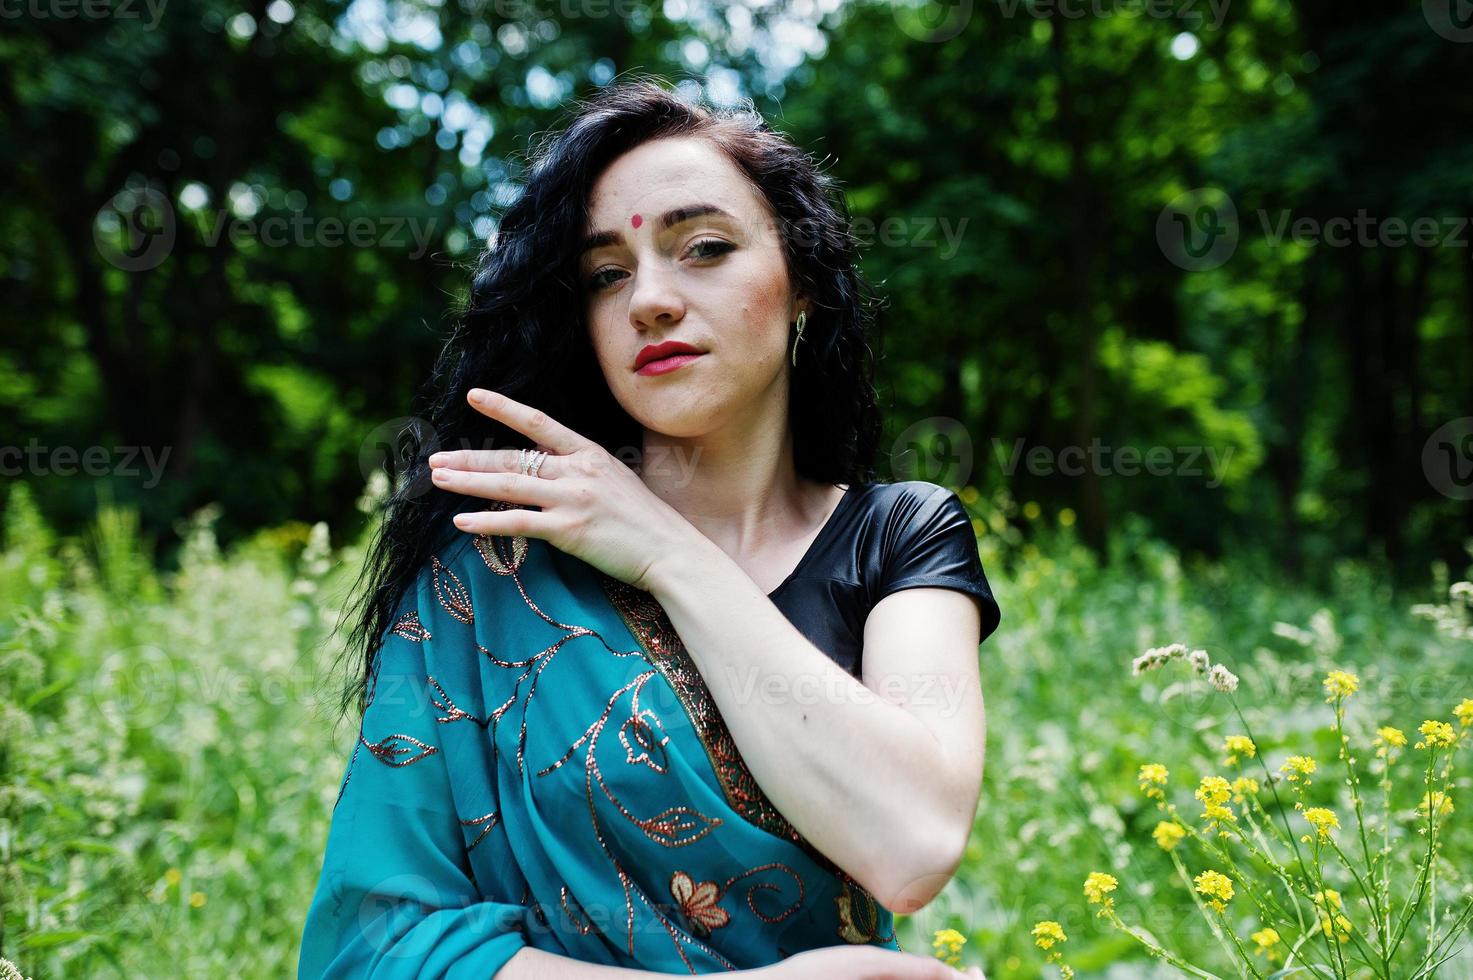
column 947, row 945
column 1388, row 738
column 1168, row 834
column 1152, row 777
column 1437, row 733
column 1266, row 939
column 1244, row 787
column 1236, row 745
column 1045, row 935
column 1095, row 888
column 1217, row 887
column 1340, row 684
column 1330, row 920
column 1464, row 712
column 1437, row 802
column 1214, row 792
column 197, row 900
column 1048, row 932
column 1322, row 820
column 1298, row 767
column 1327, row 910
column 172, row 876
column 1327, row 898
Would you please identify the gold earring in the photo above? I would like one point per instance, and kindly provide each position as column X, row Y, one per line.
column 802, row 321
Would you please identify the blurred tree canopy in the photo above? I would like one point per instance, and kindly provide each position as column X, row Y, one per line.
column 233, row 235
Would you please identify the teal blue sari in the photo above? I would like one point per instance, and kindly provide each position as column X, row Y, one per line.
column 541, row 764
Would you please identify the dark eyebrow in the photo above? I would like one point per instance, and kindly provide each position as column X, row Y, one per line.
column 668, row 220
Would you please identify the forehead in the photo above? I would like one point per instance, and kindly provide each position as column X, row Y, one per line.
column 665, row 173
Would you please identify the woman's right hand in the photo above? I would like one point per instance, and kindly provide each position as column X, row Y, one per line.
column 864, row 963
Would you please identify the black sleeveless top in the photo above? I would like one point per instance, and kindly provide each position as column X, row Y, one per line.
column 882, row 538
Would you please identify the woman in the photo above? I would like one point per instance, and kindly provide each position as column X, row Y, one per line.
column 616, row 719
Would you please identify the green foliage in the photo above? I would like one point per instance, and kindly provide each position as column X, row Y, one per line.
column 171, row 746
column 168, row 744
column 1006, row 182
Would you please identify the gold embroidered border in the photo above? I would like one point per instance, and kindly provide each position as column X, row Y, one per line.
column 646, row 620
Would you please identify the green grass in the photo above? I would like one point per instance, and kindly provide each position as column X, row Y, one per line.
column 170, row 747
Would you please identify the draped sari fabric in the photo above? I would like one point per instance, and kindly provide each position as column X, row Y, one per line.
column 541, row 764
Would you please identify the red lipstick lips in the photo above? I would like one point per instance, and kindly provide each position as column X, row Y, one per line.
column 668, row 356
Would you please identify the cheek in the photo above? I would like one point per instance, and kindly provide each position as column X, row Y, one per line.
column 764, row 312
column 600, row 336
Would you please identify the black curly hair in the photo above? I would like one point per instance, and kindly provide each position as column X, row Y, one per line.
column 522, row 330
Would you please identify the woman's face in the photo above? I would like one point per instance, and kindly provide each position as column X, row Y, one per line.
column 716, row 281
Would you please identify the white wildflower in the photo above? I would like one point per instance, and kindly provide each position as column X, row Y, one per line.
column 1223, row 679
column 1157, row 657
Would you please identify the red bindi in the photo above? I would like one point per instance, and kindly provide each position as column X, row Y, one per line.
column 636, row 221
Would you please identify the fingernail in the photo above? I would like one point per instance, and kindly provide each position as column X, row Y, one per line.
column 478, row 395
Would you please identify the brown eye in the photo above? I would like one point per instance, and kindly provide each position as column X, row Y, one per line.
column 597, row 281
column 706, row 248
column 711, row 248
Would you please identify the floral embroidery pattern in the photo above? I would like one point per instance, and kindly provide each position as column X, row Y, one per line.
column 645, row 748
column 580, row 920
column 442, row 701
column 451, row 593
column 388, row 749
column 489, row 820
column 857, row 903
column 698, row 903
column 490, row 548
column 411, row 628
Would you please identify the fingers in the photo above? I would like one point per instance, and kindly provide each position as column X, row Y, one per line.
column 514, row 488
column 513, row 522
column 490, row 461
column 531, row 422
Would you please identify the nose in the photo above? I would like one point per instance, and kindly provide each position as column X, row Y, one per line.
column 654, row 299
